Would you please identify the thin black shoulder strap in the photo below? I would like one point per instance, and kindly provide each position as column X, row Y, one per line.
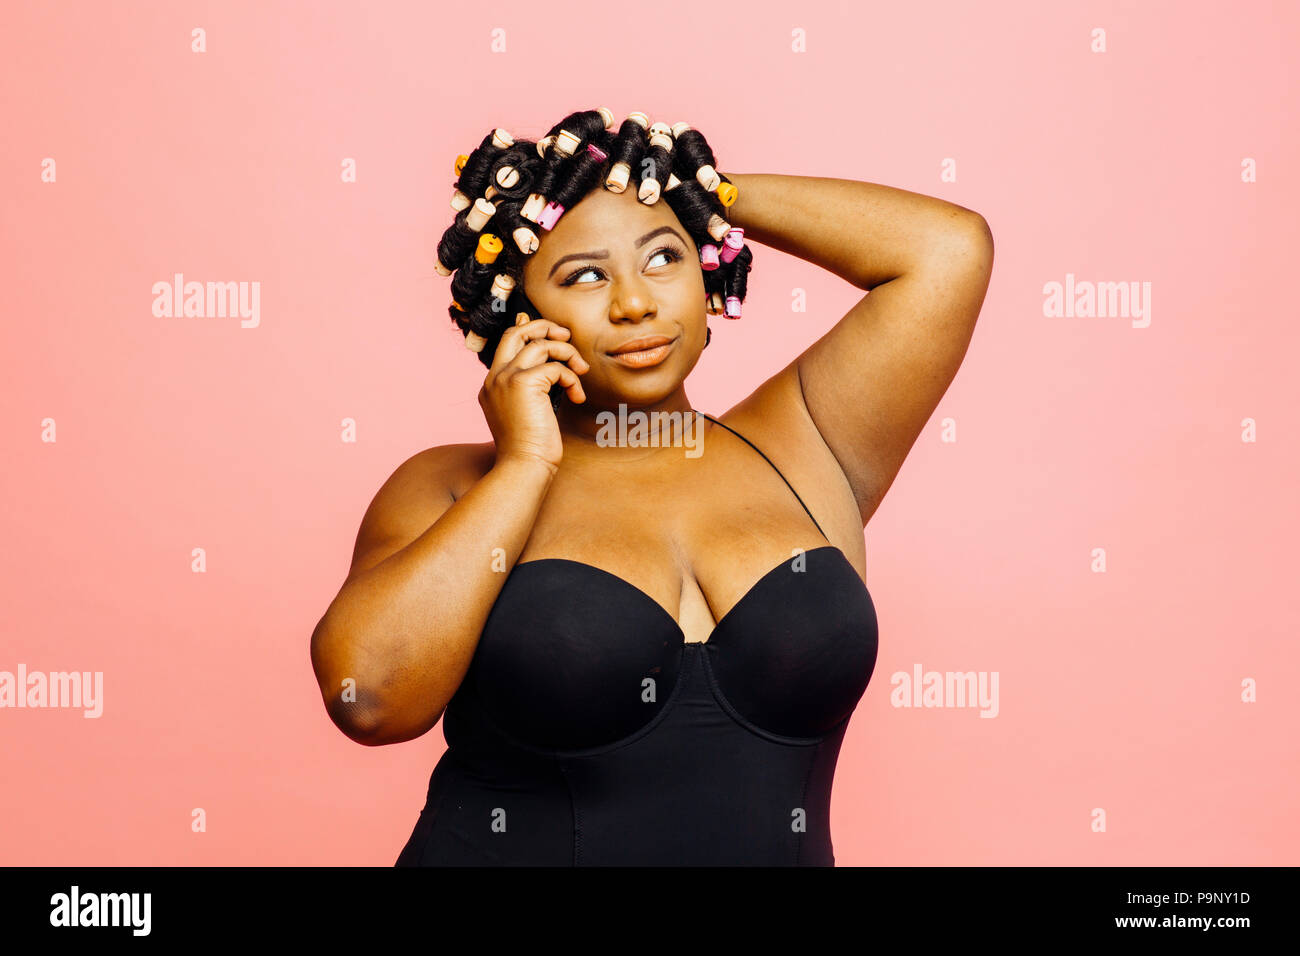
column 769, row 461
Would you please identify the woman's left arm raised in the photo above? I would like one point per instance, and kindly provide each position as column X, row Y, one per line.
column 871, row 383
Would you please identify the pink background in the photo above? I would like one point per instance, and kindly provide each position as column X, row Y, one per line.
column 1119, row 690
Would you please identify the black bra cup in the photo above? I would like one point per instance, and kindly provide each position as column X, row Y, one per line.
column 558, row 674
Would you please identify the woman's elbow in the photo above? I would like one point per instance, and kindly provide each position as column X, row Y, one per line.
column 350, row 706
column 360, row 724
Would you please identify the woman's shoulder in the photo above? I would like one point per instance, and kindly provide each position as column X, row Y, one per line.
column 414, row 496
column 453, row 467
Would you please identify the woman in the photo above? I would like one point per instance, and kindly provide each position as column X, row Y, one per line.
column 647, row 646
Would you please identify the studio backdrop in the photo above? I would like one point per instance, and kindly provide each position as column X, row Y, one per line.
column 224, row 330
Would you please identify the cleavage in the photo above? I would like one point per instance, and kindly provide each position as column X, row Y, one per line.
column 694, row 618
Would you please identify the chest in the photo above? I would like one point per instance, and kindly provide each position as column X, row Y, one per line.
column 693, row 545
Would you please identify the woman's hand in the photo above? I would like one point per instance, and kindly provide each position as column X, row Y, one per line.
column 516, row 393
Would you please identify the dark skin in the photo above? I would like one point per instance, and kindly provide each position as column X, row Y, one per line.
column 656, row 288
column 694, row 534
column 676, row 527
column 665, row 522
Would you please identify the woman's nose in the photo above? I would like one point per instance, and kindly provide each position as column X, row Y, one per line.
column 631, row 299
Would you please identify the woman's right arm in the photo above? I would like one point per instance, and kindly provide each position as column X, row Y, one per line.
column 396, row 642
column 404, row 626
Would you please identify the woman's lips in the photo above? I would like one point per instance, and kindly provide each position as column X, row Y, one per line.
column 644, row 358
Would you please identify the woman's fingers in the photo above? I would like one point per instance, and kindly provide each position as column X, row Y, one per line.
column 538, row 351
column 532, row 345
column 515, row 338
column 536, row 355
column 549, row 373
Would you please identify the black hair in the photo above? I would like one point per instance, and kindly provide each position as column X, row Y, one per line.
column 566, row 180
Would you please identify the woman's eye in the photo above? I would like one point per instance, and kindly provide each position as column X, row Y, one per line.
column 672, row 254
column 666, row 251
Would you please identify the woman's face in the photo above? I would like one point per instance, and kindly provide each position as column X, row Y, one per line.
column 613, row 270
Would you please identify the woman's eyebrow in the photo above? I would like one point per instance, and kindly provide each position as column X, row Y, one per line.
column 604, row 253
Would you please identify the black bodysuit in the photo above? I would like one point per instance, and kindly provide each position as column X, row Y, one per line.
column 588, row 731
